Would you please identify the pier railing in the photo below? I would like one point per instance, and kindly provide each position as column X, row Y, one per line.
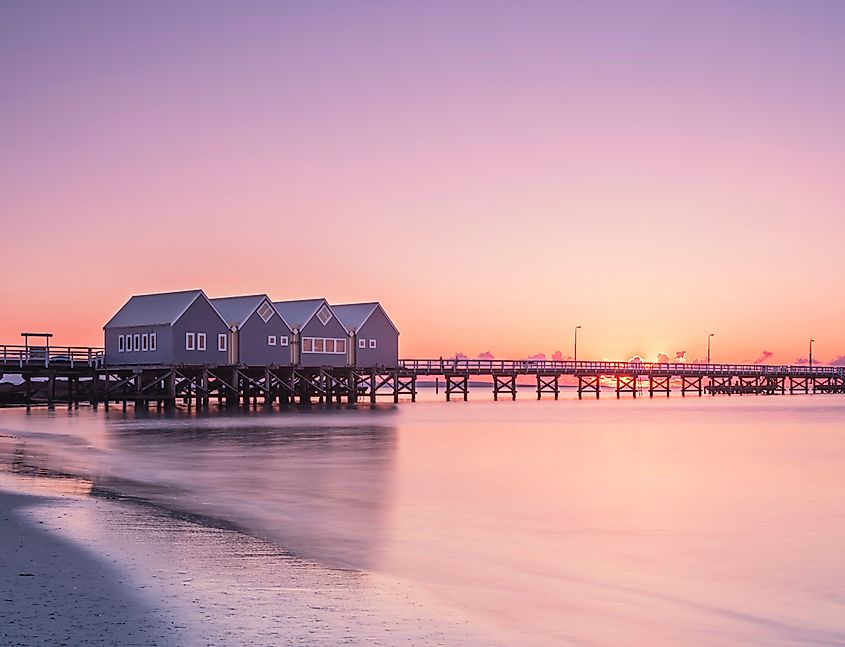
column 568, row 367
column 52, row 357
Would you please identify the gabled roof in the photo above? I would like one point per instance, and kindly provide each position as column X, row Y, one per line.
column 236, row 310
column 298, row 313
column 355, row 315
column 163, row 309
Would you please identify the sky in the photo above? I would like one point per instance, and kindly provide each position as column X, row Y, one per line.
column 495, row 173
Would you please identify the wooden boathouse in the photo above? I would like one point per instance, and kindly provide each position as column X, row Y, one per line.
column 374, row 339
column 258, row 334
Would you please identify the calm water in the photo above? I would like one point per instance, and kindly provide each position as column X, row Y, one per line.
column 712, row 521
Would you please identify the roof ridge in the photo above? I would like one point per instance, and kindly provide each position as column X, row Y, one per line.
column 242, row 296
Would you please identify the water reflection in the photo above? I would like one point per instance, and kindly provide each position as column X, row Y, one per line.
column 711, row 521
column 316, row 482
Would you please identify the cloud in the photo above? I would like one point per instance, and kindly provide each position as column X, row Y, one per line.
column 557, row 355
column 486, row 355
column 801, row 361
column 662, row 358
column 839, row 361
column 537, row 356
column 765, row 355
column 680, row 355
column 460, row 356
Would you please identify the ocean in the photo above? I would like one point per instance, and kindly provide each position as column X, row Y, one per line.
column 668, row 521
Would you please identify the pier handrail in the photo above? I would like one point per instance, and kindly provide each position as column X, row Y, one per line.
column 55, row 356
column 680, row 369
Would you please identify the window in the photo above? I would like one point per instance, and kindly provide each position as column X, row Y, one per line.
column 265, row 312
column 152, row 341
column 372, row 343
column 271, row 340
column 136, row 342
column 190, row 341
column 145, row 342
column 283, row 340
column 200, row 341
column 324, row 315
column 322, row 345
column 222, row 342
column 120, row 342
column 362, row 343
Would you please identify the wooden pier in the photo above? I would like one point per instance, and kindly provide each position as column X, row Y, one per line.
column 71, row 375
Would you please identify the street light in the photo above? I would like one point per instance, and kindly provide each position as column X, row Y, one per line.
column 811, row 354
column 709, row 337
column 576, row 343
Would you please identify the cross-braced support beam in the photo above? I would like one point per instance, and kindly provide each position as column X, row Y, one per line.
column 406, row 384
column 504, row 384
column 589, row 384
column 457, row 384
column 692, row 385
column 747, row 384
column 799, row 384
column 626, row 384
column 658, row 384
column 548, row 384
column 720, row 384
column 383, row 384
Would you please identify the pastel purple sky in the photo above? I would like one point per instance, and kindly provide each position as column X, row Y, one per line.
column 494, row 172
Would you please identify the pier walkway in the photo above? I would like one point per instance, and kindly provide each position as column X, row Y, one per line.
column 73, row 374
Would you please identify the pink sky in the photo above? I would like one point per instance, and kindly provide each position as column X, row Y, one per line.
column 495, row 174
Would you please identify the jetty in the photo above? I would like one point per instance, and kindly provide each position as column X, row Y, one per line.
column 74, row 374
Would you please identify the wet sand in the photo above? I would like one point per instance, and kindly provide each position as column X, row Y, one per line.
column 56, row 593
column 79, row 569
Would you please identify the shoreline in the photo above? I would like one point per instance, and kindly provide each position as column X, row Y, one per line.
column 109, row 571
column 56, row 592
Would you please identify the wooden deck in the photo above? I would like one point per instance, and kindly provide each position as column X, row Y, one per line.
column 550, row 367
column 74, row 374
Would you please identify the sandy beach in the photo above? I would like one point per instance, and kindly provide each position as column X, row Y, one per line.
column 56, row 593
column 84, row 569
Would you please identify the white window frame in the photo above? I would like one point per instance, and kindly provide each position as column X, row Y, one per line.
column 283, row 340
column 372, row 343
column 121, row 344
column 324, row 314
column 190, row 341
column 267, row 309
column 324, row 341
column 136, row 342
column 222, row 342
column 153, row 346
column 271, row 340
column 145, row 342
column 201, row 341
column 362, row 343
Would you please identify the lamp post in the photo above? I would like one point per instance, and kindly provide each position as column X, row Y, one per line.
column 575, row 354
column 709, row 337
column 811, row 354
